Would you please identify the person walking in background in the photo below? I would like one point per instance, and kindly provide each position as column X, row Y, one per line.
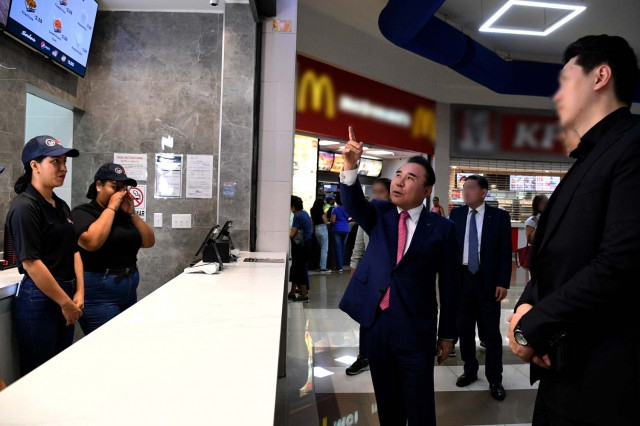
column 50, row 297
column 392, row 294
column 437, row 208
column 538, row 205
column 576, row 321
column 319, row 219
column 300, row 235
column 110, row 234
column 382, row 192
column 484, row 233
column 340, row 227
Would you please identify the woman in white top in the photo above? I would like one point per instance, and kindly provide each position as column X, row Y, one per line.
column 538, row 205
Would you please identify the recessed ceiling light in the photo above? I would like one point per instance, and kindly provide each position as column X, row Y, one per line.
column 454, row 167
column 381, row 152
column 575, row 11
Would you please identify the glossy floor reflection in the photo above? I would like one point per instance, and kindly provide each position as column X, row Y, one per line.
column 322, row 341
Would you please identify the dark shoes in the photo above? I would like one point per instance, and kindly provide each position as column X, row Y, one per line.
column 497, row 391
column 465, row 380
column 358, row 366
column 301, row 299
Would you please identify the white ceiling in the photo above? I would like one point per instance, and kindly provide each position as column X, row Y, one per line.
column 614, row 17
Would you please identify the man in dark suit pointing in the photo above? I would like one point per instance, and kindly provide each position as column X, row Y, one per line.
column 484, row 233
column 577, row 320
column 393, row 292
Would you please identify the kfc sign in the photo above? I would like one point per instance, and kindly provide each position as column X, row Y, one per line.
column 484, row 132
column 329, row 100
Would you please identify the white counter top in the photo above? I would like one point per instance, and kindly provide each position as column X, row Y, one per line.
column 202, row 349
column 9, row 278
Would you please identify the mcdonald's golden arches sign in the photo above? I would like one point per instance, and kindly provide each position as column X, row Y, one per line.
column 329, row 99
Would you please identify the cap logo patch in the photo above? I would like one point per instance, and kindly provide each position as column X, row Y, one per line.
column 118, row 170
column 52, row 142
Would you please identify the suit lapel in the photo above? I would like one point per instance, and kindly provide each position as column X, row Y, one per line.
column 487, row 222
column 420, row 235
column 577, row 174
column 392, row 217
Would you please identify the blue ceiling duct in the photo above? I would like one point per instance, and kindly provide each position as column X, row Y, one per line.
column 411, row 24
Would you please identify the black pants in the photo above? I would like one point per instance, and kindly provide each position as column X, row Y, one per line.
column 402, row 379
column 299, row 270
column 478, row 305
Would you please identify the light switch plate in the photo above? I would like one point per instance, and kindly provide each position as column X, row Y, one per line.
column 181, row 221
column 157, row 220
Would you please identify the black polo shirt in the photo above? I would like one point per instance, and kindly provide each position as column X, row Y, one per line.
column 41, row 231
column 119, row 250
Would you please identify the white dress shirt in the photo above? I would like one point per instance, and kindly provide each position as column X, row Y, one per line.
column 348, row 177
column 479, row 222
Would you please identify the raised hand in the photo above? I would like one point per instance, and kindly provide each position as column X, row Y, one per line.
column 352, row 152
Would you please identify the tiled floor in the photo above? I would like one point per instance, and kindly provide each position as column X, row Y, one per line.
column 322, row 341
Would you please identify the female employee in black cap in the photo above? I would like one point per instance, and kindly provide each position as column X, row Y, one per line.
column 50, row 297
column 110, row 234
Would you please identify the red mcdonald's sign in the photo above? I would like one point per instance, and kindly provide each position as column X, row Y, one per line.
column 330, row 99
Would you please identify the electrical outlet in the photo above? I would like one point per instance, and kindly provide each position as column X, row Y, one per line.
column 181, row 221
column 157, row 220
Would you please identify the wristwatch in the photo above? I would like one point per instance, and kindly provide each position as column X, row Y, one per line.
column 519, row 337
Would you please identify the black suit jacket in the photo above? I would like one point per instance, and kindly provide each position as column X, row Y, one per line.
column 585, row 268
column 495, row 246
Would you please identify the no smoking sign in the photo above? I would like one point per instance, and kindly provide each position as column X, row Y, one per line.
column 139, row 194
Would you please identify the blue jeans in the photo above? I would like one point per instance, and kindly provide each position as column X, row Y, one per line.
column 104, row 298
column 322, row 235
column 39, row 326
column 341, row 245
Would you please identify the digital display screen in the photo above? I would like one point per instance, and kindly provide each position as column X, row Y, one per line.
column 461, row 178
column 338, row 162
column 547, row 183
column 60, row 29
column 370, row 167
column 522, row 183
column 325, row 161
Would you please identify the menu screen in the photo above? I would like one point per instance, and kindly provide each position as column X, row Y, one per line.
column 369, row 167
column 547, row 183
column 60, row 29
column 4, row 12
column 325, row 161
column 522, row 183
column 338, row 162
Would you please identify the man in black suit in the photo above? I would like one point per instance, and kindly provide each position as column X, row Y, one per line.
column 484, row 233
column 576, row 321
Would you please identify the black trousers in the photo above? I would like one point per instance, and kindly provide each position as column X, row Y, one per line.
column 402, row 379
column 478, row 305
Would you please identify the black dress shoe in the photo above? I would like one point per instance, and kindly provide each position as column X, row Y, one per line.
column 497, row 391
column 466, row 380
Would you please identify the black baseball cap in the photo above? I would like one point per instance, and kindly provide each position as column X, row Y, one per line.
column 115, row 172
column 45, row 146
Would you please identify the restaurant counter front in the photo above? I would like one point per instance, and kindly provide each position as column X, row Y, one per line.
column 179, row 356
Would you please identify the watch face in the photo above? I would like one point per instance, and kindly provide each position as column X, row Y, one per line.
column 520, row 339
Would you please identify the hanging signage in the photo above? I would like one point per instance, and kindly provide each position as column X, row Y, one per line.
column 486, row 132
column 329, row 100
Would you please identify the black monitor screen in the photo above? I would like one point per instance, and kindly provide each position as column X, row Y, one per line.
column 60, row 29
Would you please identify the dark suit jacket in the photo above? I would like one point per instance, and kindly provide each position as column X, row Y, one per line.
column 495, row 246
column 585, row 270
column 413, row 305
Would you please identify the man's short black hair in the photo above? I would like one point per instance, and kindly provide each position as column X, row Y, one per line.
column 296, row 203
column 431, row 176
column 384, row 181
column 482, row 181
column 596, row 50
